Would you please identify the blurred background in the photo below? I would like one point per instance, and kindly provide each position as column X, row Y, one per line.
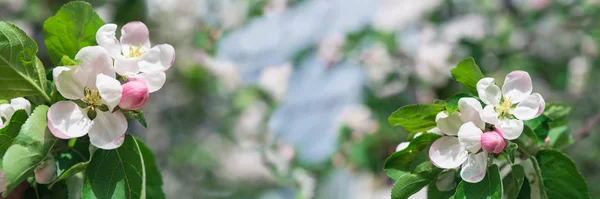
column 289, row 99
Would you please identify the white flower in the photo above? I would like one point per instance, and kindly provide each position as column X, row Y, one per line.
column 500, row 109
column 92, row 92
column 450, row 151
column 274, row 79
column 7, row 110
column 133, row 54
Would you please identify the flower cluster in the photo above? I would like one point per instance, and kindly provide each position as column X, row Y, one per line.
column 474, row 131
column 94, row 95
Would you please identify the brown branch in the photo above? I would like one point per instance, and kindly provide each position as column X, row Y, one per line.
column 585, row 131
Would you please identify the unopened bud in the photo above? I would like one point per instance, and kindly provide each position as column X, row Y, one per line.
column 492, row 142
column 45, row 173
column 135, row 95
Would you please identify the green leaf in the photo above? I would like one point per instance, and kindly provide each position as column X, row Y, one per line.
column 560, row 137
column 420, row 174
column 73, row 27
column 21, row 72
column 557, row 111
column 446, row 180
column 489, row 187
column 126, row 172
column 31, row 147
column 403, row 160
column 538, row 181
column 468, row 74
column 9, row 132
column 411, row 167
column 433, row 192
column 452, row 102
column 154, row 178
column 561, row 179
column 67, row 61
column 525, row 192
column 416, row 117
column 138, row 115
column 513, row 182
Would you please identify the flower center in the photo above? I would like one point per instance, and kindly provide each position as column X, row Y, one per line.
column 135, row 52
column 92, row 97
column 504, row 107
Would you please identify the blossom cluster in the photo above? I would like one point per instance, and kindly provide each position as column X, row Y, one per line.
column 116, row 75
column 473, row 132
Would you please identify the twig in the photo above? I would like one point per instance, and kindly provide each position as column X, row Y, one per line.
column 585, row 131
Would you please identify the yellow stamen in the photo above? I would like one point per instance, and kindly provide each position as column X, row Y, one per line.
column 92, row 97
column 135, row 52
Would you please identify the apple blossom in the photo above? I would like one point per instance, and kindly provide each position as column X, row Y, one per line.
column 45, row 173
column 507, row 108
column 135, row 95
column 92, row 93
column 492, row 142
column 7, row 110
column 133, row 55
column 462, row 143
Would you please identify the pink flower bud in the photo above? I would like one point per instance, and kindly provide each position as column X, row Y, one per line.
column 135, row 95
column 492, row 142
column 45, row 173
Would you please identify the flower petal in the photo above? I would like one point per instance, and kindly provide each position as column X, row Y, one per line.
column 469, row 136
column 489, row 115
column 435, row 130
column 517, row 86
column 110, row 90
column 446, row 152
column 21, row 104
column 127, row 66
column 448, row 124
column 106, row 37
column 531, row 107
column 159, row 58
column 6, row 111
column 488, row 92
column 66, row 85
column 154, row 80
column 66, row 120
column 94, row 61
column 107, row 128
column 473, row 170
column 114, row 144
column 510, row 129
column 402, row 146
column 136, row 34
column 469, row 111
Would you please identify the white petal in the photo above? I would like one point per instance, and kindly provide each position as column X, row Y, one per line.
column 435, row 130
column 154, row 80
column 107, row 128
column 510, row 129
column 531, row 107
column 469, row 111
column 66, row 120
column 448, row 124
column 136, row 34
column 402, row 146
column 488, row 92
column 66, row 85
column 6, row 111
column 106, row 37
column 159, row 58
column 127, row 66
column 446, row 152
column 469, row 136
column 110, row 90
column 94, row 61
column 517, row 86
column 21, row 104
column 114, row 144
column 489, row 115
column 473, row 170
